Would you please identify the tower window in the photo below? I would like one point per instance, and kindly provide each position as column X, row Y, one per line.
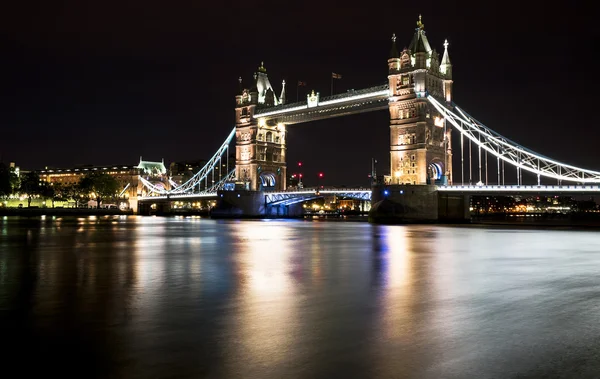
column 269, row 137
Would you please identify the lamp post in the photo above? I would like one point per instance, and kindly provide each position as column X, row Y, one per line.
column 300, row 174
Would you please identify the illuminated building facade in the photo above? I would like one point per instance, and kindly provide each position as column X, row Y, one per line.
column 126, row 175
column 260, row 144
column 420, row 145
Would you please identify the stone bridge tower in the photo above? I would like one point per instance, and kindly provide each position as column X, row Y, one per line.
column 420, row 145
column 260, row 146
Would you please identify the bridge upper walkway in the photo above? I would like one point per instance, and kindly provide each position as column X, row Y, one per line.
column 351, row 102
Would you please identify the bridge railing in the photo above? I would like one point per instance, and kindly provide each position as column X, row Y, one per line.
column 352, row 93
column 344, row 95
column 521, row 188
column 314, row 189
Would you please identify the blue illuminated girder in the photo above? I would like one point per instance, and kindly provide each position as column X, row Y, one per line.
column 294, row 197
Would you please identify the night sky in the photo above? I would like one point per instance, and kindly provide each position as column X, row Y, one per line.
column 105, row 82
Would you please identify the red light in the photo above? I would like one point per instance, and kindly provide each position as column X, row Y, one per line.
column 300, row 175
column 293, row 176
column 320, row 174
column 299, row 164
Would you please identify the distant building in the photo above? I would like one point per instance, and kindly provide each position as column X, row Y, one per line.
column 14, row 168
column 180, row 172
column 127, row 176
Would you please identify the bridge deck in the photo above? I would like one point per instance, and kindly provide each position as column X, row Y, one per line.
column 290, row 197
column 513, row 189
column 353, row 102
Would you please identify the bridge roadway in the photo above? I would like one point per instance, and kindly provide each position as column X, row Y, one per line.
column 521, row 190
column 297, row 196
column 276, row 197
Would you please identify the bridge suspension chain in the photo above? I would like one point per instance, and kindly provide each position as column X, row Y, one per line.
column 509, row 151
column 202, row 175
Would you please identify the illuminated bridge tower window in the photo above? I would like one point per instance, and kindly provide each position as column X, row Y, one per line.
column 260, row 143
column 420, row 146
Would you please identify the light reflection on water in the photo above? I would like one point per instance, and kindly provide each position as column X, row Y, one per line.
column 188, row 297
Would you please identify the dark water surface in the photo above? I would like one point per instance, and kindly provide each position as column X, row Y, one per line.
column 149, row 297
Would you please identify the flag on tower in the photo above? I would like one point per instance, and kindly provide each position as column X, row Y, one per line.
column 301, row 84
column 335, row 76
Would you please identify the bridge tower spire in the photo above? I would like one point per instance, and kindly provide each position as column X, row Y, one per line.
column 394, row 60
column 446, row 69
column 260, row 144
column 282, row 96
column 419, row 138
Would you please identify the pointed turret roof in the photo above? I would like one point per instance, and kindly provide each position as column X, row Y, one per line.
column 446, row 57
column 394, row 51
column 263, row 85
column 282, row 96
column 419, row 43
column 262, row 67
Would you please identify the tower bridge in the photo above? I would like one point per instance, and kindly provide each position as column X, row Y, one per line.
column 423, row 120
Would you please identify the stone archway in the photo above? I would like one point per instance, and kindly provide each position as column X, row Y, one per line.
column 435, row 171
column 267, row 181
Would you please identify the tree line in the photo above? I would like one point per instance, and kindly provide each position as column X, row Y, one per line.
column 94, row 185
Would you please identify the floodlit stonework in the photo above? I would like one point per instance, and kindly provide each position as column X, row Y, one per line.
column 419, row 152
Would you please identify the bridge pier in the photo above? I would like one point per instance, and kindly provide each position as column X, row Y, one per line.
column 251, row 204
column 144, row 208
column 391, row 204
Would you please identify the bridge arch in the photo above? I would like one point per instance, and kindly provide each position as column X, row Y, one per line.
column 435, row 171
column 268, row 181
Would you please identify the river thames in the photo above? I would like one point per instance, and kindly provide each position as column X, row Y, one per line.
column 151, row 297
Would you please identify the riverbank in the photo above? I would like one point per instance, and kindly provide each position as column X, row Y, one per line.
column 34, row 212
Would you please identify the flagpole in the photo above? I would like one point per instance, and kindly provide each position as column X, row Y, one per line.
column 297, row 89
column 331, row 84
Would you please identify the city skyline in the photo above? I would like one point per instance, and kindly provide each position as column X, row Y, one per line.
column 96, row 90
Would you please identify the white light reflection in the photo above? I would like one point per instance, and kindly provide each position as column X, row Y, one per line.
column 149, row 264
column 266, row 316
column 397, row 284
column 398, row 273
column 399, row 297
